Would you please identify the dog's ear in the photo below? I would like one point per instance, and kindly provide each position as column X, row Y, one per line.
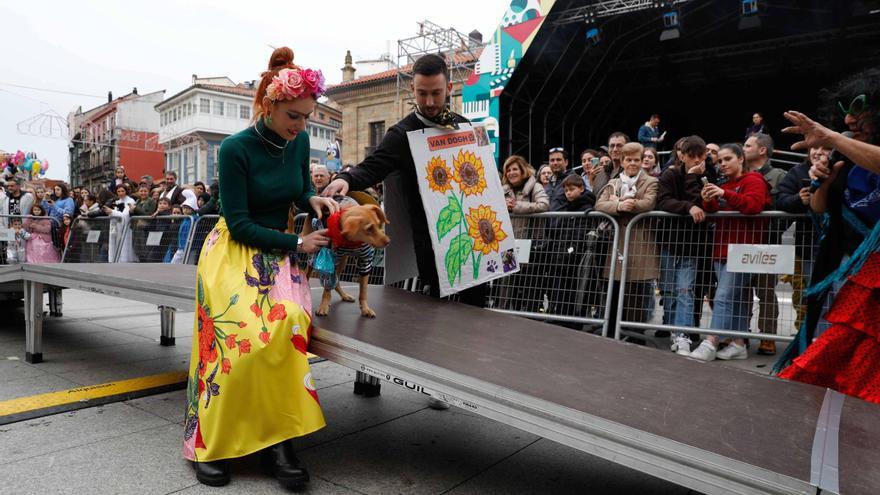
column 379, row 213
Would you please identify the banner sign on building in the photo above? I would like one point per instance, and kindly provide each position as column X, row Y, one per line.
column 760, row 258
column 464, row 204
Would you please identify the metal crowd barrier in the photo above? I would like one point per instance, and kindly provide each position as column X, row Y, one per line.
column 203, row 227
column 562, row 258
column 90, row 240
column 731, row 276
column 43, row 230
column 158, row 239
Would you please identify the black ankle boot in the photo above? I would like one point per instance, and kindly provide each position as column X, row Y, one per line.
column 214, row 473
column 281, row 461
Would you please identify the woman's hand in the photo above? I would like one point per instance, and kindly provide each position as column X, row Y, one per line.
column 815, row 134
column 511, row 202
column 318, row 203
column 711, row 191
column 821, row 172
column 627, row 205
column 313, row 242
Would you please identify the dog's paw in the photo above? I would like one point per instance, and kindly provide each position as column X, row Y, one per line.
column 366, row 312
column 323, row 310
column 346, row 297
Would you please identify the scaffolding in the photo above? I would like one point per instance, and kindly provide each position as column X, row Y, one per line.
column 608, row 8
column 460, row 51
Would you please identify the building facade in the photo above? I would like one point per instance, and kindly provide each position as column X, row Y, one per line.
column 194, row 122
column 122, row 132
column 372, row 103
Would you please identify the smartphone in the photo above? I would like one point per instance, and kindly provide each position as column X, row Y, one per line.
column 594, row 161
column 805, row 183
column 704, row 180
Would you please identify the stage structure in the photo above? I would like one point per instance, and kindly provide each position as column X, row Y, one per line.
column 569, row 72
column 460, row 51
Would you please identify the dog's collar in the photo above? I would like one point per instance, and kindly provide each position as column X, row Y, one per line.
column 334, row 231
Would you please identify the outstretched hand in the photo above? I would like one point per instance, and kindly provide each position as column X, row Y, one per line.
column 815, row 134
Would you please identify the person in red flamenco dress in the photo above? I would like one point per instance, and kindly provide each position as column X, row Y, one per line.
column 846, row 357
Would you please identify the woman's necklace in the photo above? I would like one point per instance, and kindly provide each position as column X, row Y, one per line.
column 264, row 140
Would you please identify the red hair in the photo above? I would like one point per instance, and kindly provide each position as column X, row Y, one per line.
column 282, row 58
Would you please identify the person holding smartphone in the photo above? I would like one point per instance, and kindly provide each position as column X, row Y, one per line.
column 794, row 197
column 589, row 167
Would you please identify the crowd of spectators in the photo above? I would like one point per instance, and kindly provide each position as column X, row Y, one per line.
column 681, row 259
column 41, row 221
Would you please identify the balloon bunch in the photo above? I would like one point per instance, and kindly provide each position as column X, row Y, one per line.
column 28, row 163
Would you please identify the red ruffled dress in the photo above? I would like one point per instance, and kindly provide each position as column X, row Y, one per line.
column 846, row 357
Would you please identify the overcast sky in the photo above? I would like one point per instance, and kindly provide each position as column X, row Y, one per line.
column 91, row 47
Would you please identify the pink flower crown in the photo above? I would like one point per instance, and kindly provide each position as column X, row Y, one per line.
column 290, row 84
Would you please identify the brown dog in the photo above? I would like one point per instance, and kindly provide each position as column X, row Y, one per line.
column 355, row 231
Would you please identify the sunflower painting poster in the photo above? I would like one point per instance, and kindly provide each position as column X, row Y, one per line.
column 464, row 204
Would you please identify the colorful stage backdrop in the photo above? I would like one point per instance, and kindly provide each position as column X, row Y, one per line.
column 497, row 62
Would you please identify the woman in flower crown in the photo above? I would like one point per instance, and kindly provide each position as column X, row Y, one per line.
column 250, row 388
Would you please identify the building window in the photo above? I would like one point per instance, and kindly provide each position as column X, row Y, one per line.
column 321, row 115
column 377, row 131
column 244, row 112
column 204, row 105
column 231, row 109
column 218, row 108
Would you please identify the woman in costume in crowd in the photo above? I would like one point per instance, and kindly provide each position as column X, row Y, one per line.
column 250, row 388
column 846, row 357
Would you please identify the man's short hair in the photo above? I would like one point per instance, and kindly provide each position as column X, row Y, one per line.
column 692, row 146
column 631, row 149
column 573, row 180
column 322, row 168
column 764, row 141
column 655, row 116
column 431, row 65
column 172, row 173
column 558, row 150
column 618, row 134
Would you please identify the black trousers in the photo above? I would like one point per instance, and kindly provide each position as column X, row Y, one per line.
column 428, row 278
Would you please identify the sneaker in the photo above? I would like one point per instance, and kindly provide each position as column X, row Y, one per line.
column 681, row 346
column 733, row 351
column 704, row 352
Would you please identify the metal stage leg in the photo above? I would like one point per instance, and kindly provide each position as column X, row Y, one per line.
column 33, row 319
column 166, row 314
column 367, row 385
column 55, row 301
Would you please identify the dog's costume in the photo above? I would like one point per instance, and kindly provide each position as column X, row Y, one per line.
column 362, row 252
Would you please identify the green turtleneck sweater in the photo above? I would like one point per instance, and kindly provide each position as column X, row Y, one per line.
column 257, row 186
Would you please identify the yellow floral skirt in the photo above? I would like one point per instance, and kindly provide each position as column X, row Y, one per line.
column 250, row 385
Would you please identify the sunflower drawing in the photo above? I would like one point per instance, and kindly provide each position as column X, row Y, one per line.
column 469, row 173
column 439, row 175
column 485, row 229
